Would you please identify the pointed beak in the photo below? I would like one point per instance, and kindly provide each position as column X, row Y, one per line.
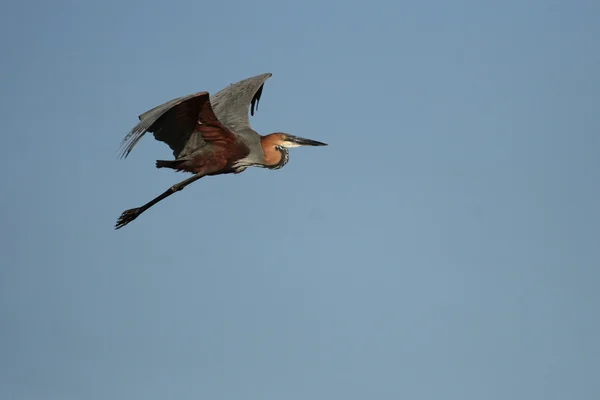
column 304, row 142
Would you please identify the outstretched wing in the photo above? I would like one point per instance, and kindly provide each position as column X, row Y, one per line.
column 231, row 104
column 172, row 123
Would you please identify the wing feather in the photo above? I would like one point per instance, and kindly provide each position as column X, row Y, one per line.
column 232, row 104
column 177, row 129
column 171, row 122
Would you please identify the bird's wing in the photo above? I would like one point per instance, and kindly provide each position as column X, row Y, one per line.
column 224, row 142
column 231, row 108
column 168, row 104
column 231, row 104
column 171, row 123
column 209, row 126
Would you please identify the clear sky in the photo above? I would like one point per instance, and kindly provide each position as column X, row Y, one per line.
column 445, row 245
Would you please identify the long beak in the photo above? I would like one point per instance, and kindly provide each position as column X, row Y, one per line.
column 304, row 142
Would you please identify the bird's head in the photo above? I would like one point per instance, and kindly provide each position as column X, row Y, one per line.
column 276, row 147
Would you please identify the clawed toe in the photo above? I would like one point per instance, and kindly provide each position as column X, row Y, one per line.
column 127, row 217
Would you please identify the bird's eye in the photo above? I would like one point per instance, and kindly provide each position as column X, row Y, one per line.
column 283, row 137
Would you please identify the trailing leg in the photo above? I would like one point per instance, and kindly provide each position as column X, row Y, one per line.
column 129, row 215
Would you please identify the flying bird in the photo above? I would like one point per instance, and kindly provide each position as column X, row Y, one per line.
column 211, row 135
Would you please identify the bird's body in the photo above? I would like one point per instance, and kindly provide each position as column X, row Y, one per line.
column 211, row 135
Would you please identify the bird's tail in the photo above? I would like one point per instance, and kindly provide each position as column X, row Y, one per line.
column 173, row 164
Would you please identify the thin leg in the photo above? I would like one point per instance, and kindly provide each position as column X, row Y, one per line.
column 133, row 213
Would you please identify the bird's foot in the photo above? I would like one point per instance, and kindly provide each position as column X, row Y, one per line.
column 128, row 216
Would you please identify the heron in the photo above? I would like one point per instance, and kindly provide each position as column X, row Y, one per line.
column 211, row 135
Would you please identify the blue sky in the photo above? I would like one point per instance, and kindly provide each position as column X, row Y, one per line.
column 443, row 246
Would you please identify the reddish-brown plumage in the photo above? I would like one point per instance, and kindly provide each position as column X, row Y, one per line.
column 222, row 149
column 268, row 143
